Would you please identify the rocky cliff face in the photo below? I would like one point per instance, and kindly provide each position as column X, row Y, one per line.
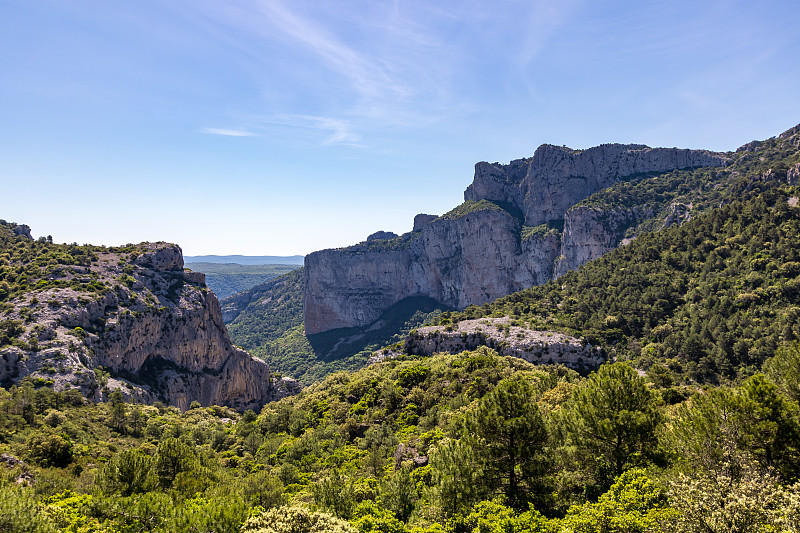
column 147, row 327
column 545, row 186
column 459, row 261
column 589, row 233
column 505, row 237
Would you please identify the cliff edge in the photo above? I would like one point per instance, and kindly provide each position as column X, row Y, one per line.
column 518, row 227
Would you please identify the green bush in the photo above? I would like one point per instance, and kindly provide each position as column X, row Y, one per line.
column 50, row 449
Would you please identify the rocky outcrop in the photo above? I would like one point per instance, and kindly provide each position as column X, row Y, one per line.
column 556, row 178
column 23, row 230
column 502, row 335
column 422, row 220
column 506, row 237
column 589, row 233
column 793, row 175
column 381, row 235
column 146, row 327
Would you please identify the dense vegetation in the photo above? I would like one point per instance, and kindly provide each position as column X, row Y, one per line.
column 471, row 206
column 28, row 265
column 471, row 442
column 226, row 279
column 651, row 199
column 267, row 311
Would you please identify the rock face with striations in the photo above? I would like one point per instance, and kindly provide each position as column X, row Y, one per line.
column 505, row 237
column 545, row 186
column 152, row 330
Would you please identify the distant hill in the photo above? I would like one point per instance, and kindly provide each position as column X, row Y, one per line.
column 226, row 279
column 246, row 259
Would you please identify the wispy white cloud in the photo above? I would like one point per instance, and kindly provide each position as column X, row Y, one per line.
column 384, row 65
column 368, row 77
column 227, row 132
column 335, row 131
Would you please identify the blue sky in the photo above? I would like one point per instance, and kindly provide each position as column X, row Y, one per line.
column 264, row 127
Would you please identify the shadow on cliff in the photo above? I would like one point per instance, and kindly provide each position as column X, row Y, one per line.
column 391, row 327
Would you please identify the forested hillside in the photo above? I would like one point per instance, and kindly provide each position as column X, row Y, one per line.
column 226, row 279
column 471, row 442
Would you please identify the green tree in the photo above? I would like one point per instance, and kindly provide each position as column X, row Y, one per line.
column 784, row 370
column 20, row 513
column 399, row 493
column 508, row 431
column 119, row 412
column 612, row 420
column 137, row 421
column 754, row 419
column 263, row 489
column 494, row 517
column 633, row 504
column 770, row 428
column 369, row 517
column 379, row 442
column 50, row 449
column 456, row 477
column 334, row 493
column 216, row 511
column 128, row 472
column 172, row 458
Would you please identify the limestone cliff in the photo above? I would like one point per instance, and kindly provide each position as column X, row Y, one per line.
column 589, row 233
column 545, row 186
column 507, row 236
column 458, row 261
column 134, row 321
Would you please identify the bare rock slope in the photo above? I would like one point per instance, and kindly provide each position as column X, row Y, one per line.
column 506, row 237
column 137, row 322
column 507, row 337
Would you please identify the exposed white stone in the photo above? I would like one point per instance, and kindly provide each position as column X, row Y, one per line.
column 540, row 347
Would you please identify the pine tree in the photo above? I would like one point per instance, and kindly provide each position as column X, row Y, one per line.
column 612, row 421
column 456, row 477
column 508, row 431
column 119, row 413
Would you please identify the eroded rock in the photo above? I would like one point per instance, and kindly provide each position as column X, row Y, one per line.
column 154, row 332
